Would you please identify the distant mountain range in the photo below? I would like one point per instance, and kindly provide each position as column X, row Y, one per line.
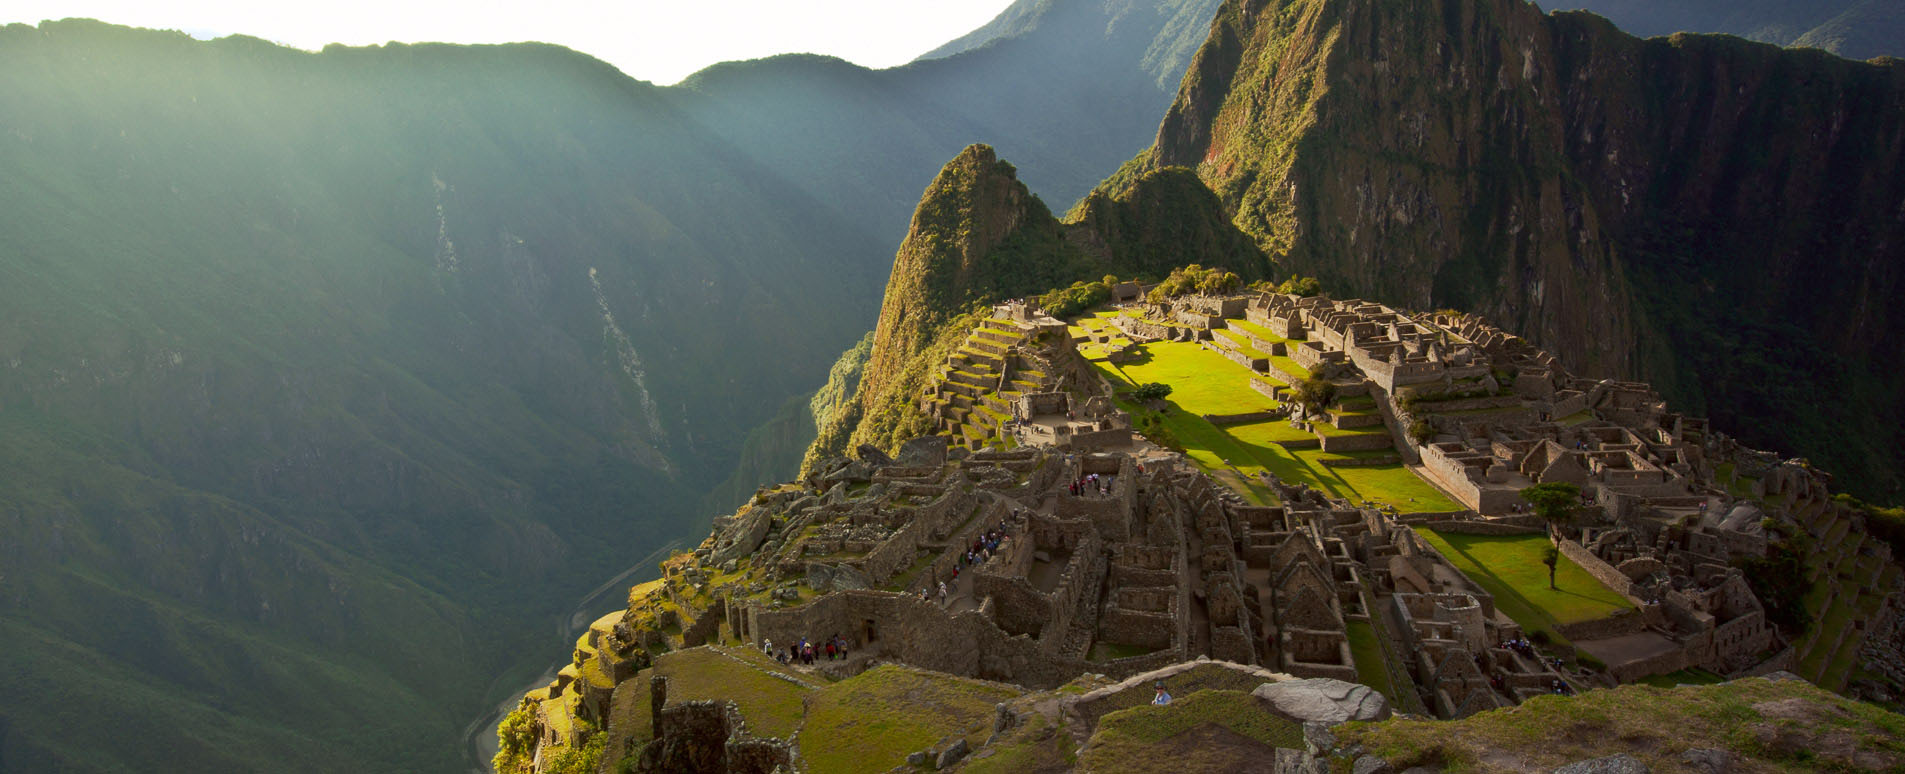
column 1857, row 29
column 328, row 381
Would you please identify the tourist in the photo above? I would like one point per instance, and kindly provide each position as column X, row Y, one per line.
column 1162, row 698
column 942, row 592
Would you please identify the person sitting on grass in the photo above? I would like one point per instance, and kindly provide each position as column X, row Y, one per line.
column 1162, row 698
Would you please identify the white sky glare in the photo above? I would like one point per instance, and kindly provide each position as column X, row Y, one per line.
column 655, row 41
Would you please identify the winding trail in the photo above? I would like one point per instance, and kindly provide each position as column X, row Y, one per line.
column 479, row 737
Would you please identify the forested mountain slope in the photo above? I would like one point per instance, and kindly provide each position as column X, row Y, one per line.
column 329, row 380
column 1718, row 216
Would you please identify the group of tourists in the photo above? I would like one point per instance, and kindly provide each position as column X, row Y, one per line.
column 1523, row 647
column 981, row 549
column 1092, row 482
column 806, row 653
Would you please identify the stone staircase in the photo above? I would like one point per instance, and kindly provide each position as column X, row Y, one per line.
column 972, row 397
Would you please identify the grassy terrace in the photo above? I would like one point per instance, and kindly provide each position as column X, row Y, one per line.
column 869, row 722
column 1819, row 731
column 1204, row 382
column 1211, row 730
column 1256, row 330
column 1509, row 568
column 1371, row 669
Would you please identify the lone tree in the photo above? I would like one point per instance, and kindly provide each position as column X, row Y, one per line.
column 1554, row 502
column 1551, row 556
column 1151, row 391
column 1314, row 393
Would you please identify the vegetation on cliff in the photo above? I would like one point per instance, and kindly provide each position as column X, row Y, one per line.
column 1642, row 208
column 979, row 236
column 331, row 376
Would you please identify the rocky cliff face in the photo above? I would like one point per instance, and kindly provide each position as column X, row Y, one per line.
column 1721, row 217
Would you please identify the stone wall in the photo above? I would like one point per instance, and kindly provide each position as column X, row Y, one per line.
column 920, row 633
column 1097, row 440
column 708, row 737
column 1018, row 608
column 1492, row 527
column 1618, row 624
column 704, row 627
column 1136, row 627
column 1238, row 419
column 1356, row 442
column 1601, row 570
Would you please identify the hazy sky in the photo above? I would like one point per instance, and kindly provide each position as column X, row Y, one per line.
column 655, row 41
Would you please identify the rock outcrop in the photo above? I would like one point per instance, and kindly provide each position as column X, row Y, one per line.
column 1323, row 700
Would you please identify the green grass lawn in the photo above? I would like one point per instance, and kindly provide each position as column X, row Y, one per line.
column 1147, row 738
column 1204, row 382
column 871, row 721
column 1371, row 669
column 1509, row 567
column 772, row 706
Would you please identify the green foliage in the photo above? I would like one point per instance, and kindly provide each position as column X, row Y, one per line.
column 1150, row 391
column 1314, row 393
column 1779, row 580
column 1196, row 279
column 1420, row 431
column 1554, row 501
column 1551, row 556
column 577, row 760
column 1887, row 524
column 1301, row 286
column 516, row 742
column 1070, row 302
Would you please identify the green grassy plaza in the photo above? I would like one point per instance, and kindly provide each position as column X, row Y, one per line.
column 1509, row 567
column 1204, row 382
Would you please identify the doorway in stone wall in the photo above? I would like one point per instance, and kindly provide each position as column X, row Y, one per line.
column 867, row 630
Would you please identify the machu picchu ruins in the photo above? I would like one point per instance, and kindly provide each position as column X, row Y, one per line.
column 1338, row 495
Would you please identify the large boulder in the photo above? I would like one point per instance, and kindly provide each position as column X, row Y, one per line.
column 872, row 455
column 1322, row 700
column 926, row 451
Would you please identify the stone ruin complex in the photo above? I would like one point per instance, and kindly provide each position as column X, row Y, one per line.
column 1100, row 554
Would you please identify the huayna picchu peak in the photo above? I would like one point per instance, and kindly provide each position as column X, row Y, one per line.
column 1292, row 386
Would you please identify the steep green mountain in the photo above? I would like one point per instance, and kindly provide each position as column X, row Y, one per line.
column 1857, row 29
column 328, row 376
column 1718, row 216
column 979, row 236
column 330, row 380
